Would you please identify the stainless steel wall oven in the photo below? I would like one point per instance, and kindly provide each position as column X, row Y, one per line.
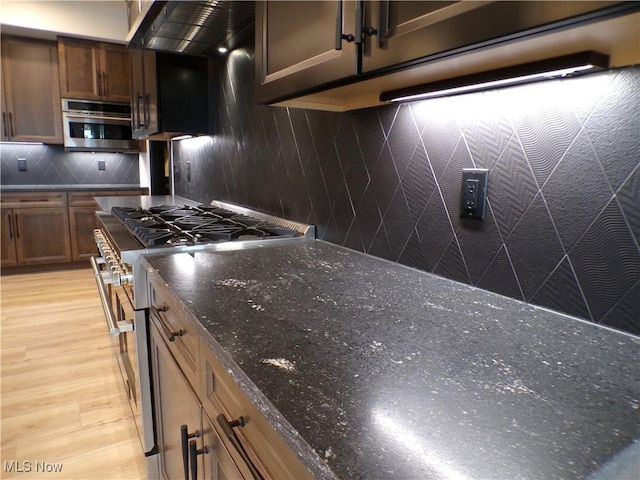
column 124, row 236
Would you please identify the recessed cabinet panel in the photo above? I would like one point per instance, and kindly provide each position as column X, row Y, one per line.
column 42, row 235
column 410, row 31
column 31, row 108
column 296, row 46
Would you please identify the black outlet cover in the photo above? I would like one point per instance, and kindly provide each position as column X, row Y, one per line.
column 101, row 165
column 22, row 164
column 474, row 192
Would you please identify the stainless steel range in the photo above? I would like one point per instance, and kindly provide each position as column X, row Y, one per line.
column 125, row 235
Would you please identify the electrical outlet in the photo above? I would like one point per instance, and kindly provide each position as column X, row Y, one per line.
column 101, row 165
column 22, row 164
column 474, row 192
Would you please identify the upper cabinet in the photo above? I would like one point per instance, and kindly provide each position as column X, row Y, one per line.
column 31, row 108
column 341, row 55
column 296, row 59
column 94, row 70
column 170, row 95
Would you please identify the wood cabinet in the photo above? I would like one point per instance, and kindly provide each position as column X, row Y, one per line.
column 412, row 39
column 37, row 227
column 170, row 95
column 50, row 227
column 233, row 439
column 94, row 70
column 31, row 108
column 299, row 46
column 189, row 445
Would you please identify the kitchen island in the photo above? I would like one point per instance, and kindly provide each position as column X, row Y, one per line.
column 368, row 369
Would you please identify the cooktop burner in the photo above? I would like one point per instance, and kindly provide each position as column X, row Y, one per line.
column 186, row 225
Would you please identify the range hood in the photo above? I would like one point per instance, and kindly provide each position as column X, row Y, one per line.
column 194, row 28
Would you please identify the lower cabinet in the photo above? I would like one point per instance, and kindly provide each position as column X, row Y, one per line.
column 35, row 230
column 206, row 425
column 189, row 444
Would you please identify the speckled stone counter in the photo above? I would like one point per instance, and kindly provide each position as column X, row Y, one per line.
column 382, row 372
column 72, row 188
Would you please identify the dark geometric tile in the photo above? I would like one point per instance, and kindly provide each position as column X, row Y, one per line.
column 500, row 277
column 546, row 133
column 576, row 191
column 347, row 145
column 451, row 265
column 614, row 125
column 418, row 182
column 403, row 138
column 451, row 181
column 561, row 292
column 624, row 315
column 511, row 187
column 434, row 230
column 440, row 133
column 343, row 214
column 479, row 242
column 412, row 255
column 370, row 135
column 353, row 239
column 628, row 196
column 398, row 223
column 606, row 261
column 384, row 181
column 381, row 247
column 534, row 247
column 387, row 115
column 487, row 137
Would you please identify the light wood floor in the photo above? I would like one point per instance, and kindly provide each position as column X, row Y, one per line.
column 62, row 399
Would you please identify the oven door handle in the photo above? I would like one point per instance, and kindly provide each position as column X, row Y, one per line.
column 114, row 330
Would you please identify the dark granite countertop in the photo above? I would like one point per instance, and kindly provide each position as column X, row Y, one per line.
column 378, row 371
column 71, row 188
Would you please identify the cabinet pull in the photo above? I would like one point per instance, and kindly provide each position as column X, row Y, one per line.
column 9, row 224
column 105, row 92
column 99, row 80
column 10, row 125
column 4, row 124
column 145, row 110
column 171, row 336
column 227, row 428
column 339, row 35
column 15, row 224
column 185, row 436
column 361, row 29
column 193, row 457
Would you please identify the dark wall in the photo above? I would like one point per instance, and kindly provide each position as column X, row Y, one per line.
column 51, row 165
column 562, row 224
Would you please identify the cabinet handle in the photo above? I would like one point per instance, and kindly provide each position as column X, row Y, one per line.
column 185, row 436
column 193, row 457
column 361, row 29
column 10, row 125
column 9, row 224
column 171, row 336
column 105, row 92
column 227, row 428
column 339, row 35
column 4, row 124
column 145, row 110
column 99, row 80
column 15, row 224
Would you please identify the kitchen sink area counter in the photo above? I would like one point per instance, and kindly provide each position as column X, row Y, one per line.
column 368, row 369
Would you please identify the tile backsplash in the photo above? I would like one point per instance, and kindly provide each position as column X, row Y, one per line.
column 51, row 165
column 562, row 225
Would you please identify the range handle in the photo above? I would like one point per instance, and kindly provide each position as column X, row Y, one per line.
column 112, row 324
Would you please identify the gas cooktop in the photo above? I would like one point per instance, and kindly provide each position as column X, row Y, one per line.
column 166, row 225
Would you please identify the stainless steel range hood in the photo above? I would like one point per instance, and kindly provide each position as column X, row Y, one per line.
column 194, row 28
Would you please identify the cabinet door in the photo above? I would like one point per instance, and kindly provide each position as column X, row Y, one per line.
column 144, row 93
column 176, row 405
column 115, row 73
column 151, row 114
column 296, row 46
column 80, row 75
column 8, row 256
column 408, row 31
column 42, row 235
column 31, row 109
column 82, row 223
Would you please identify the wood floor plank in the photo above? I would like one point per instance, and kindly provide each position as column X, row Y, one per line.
column 62, row 398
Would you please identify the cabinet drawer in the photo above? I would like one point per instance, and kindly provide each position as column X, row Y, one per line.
column 220, row 394
column 176, row 328
column 33, row 199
